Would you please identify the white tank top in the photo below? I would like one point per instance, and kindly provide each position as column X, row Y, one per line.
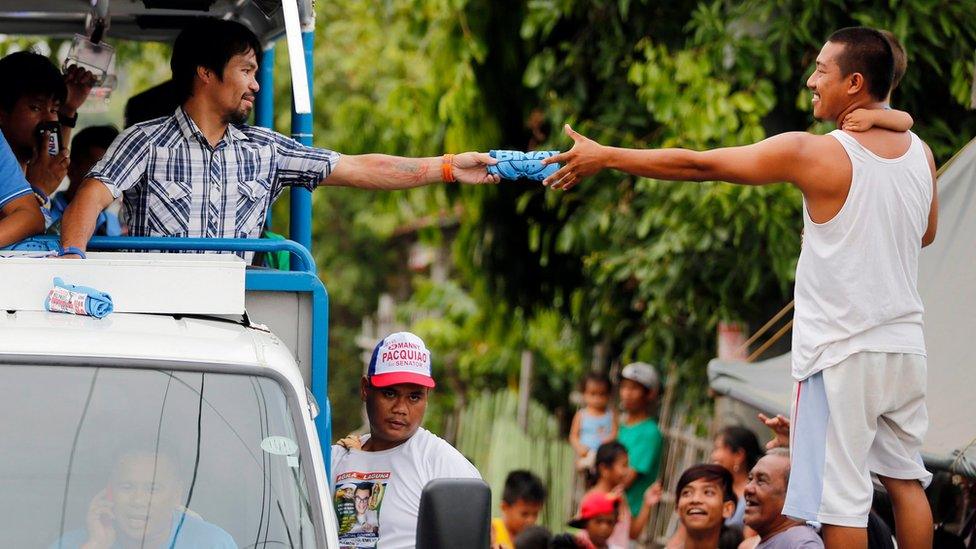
column 856, row 278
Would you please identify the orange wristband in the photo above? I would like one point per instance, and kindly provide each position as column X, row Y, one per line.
column 447, row 169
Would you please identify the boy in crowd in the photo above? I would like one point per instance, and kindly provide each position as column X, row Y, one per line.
column 705, row 501
column 40, row 94
column 87, row 148
column 638, row 431
column 597, row 518
column 522, row 501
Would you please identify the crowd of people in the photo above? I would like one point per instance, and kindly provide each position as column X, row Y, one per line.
column 734, row 501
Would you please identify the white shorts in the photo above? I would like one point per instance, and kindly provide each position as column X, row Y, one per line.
column 864, row 415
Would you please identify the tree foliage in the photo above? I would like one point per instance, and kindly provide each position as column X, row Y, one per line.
column 647, row 267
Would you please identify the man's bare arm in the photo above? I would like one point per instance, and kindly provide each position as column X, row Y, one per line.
column 772, row 160
column 22, row 218
column 929, row 236
column 80, row 217
column 385, row 172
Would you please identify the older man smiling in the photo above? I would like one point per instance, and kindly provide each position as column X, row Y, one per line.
column 765, row 495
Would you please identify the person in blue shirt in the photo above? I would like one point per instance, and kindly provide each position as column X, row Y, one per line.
column 87, row 148
column 142, row 507
column 20, row 215
column 40, row 94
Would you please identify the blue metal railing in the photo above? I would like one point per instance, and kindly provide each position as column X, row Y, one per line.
column 303, row 258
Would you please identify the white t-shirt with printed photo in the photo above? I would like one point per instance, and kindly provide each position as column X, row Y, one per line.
column 377, row 494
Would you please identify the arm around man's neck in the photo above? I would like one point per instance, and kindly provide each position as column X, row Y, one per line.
column 81, row 215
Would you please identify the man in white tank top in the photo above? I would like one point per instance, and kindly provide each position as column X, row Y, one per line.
column 870, row 205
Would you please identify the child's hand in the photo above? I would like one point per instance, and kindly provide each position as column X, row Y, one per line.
column 350, row 442
column 652, row 496
column 781, row 428
column 860, row 120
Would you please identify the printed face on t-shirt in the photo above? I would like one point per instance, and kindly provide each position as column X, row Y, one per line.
column 358, row 500
column 395, row 413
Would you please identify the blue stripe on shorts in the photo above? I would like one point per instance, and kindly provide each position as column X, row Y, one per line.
column 809, row 433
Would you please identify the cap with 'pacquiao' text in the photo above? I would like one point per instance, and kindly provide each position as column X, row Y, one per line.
column 400, row 358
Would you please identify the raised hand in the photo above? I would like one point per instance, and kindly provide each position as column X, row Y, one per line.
column 472, row 168
column 586, row 158
column 781, row 431
column 79, row 82
column 45, row 171
column 860, row 120
column 101, row 533
column 652, row 496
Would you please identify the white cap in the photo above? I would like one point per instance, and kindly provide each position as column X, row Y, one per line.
column 400, row 358
column 642, row 373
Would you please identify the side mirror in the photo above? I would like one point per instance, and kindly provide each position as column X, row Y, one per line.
column 454, row 512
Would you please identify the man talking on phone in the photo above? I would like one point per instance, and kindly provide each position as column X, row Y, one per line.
column 141, row 506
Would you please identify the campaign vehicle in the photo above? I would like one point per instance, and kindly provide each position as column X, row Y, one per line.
column 196, row 414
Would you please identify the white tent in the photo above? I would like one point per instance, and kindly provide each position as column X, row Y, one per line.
column 947, row 283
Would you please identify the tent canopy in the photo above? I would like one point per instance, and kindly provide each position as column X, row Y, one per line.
column 947, row 283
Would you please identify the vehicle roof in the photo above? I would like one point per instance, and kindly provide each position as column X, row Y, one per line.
column 220, row 344
column 143, row 20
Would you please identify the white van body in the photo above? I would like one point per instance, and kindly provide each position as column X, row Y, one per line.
column 50, row 361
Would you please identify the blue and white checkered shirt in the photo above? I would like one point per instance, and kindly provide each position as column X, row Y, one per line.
column 173, row 183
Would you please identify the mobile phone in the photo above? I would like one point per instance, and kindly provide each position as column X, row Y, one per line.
column 49, row 135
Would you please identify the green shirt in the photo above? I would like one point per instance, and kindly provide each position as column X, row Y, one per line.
column 643, row 442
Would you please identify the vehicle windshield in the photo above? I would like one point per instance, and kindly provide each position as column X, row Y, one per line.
column 115, row 457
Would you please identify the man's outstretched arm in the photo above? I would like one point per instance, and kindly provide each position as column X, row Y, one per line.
column 81, row 215
column 21, row 219
column 385, row 172
column 769, row 161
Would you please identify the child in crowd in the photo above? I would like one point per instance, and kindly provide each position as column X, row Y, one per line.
column 533, row 537
column 522, row 501
column 596, row 422
column 861, row 120
column 705, row 501
column 610, row 470
column 597, row 518
column 737, row 449
column 639, row 432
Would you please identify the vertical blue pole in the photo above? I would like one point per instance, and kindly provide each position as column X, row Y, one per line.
column 301, row 131
column 301, row 232
column 264, row 108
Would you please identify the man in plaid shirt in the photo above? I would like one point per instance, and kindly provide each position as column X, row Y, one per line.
column 202, row 172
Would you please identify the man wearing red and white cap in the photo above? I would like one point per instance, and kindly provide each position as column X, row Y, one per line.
column 377, row 483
